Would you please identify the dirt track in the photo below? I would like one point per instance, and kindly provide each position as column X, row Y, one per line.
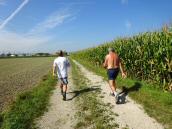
column 61, row 114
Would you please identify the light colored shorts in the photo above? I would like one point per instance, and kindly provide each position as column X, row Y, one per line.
column 63, row 81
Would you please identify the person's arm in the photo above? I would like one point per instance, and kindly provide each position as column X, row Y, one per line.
column 105, row 64
column 54, row 69
column 122, row 69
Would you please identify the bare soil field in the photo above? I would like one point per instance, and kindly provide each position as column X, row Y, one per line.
column 20, row 74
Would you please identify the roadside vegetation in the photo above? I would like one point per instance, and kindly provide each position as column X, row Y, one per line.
column 28, row 106
column 92, row 112
column 147, row 56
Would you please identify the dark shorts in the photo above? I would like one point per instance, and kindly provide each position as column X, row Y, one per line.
column 63, row 81
column 112, row 73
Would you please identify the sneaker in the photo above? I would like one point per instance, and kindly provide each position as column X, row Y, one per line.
column 116, row 96
column 64, row 96
column 115, row 93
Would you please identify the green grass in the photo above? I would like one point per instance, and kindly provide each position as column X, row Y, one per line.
column 28, row 106
column 157, row 104
column 92, row 112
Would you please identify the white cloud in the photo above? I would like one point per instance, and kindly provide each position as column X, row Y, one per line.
column 128, row 24
column 2, row 2
column 34, row 38
column 8, row 19
column 52, row 22
column 124, row 1
column 13, row 42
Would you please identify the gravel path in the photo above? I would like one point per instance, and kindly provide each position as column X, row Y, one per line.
column 61, row 113
column 130, row 114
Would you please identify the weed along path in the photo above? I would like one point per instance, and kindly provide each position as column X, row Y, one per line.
column 129, row 115
column 89, row 105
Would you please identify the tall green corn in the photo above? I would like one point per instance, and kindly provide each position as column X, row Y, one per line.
column 147, row 56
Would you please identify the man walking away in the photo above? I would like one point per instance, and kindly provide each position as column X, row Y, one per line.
column 113, row 65
column 60, row 68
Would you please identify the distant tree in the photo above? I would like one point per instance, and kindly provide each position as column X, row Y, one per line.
column 47, row 54
column 2, row 55
column 8, row 54
column 24, row 54
column 42, row 54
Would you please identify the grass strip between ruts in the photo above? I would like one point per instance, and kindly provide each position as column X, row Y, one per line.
column 92, row 111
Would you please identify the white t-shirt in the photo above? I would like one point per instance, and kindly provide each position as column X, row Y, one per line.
column 61, row 64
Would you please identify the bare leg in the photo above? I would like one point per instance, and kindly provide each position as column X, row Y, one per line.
column 112, row 85
column 64, row 92
column 61, row 87
column 64, row 88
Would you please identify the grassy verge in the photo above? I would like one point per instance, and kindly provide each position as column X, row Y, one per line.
column 28, row 106
column 92, row 112
column 157, row 104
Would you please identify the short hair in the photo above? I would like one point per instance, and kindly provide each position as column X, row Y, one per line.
column 111, row 49
column 61, row 53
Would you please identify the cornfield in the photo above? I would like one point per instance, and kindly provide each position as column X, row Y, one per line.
column 146, row 56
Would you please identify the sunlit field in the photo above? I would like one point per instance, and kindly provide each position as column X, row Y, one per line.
column 20, row 74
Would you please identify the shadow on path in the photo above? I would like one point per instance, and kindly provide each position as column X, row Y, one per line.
column 85, row 90
column 125, row 91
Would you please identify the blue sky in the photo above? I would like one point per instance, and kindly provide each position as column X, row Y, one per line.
column 50, row 25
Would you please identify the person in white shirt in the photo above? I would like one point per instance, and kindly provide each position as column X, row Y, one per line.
column 60, row 68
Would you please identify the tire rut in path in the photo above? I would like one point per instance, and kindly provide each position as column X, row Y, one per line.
column 130, row 115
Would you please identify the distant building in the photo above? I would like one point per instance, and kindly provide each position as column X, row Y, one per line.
column 20, row 55
column 12, row 55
